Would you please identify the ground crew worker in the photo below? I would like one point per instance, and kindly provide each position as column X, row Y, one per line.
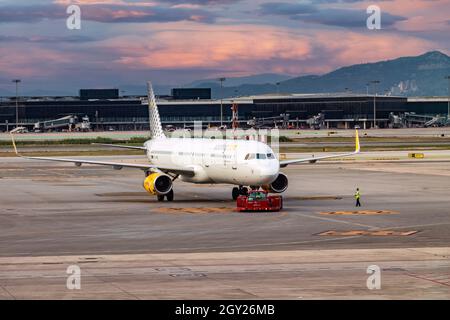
column 358, row 197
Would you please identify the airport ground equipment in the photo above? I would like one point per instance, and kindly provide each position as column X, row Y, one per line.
column 259, row 201
column 416, row 155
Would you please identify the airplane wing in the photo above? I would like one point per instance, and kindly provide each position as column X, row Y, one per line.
column 119, row 146
column 285, row 163
column 114, row 165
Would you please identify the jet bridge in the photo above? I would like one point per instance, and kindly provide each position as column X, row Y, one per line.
column 69, row 122
column 281, row 121
column 411, row 120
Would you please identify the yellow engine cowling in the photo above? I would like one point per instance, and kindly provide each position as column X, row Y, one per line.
column 158, row 184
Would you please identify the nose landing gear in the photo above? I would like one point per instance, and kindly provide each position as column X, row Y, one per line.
column 241, row 191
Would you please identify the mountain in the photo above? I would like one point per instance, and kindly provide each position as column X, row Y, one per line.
column 422, row 75
column 238, row 81
column 141, row 90
column 207, row 83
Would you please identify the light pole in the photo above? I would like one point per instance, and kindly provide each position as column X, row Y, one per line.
column 278, row 87
column 221, row 100
column 448, row 110
column 375, row 82
column 17, row 81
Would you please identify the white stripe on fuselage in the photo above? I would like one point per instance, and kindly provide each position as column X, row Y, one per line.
column 215, row 161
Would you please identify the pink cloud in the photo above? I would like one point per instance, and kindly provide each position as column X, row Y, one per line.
column 220, row 50
column 232, row 48
column 412, row 7
column 423, row 15
column 104, row 2
column 245, row 49
column 369, row 47
column 23, row 61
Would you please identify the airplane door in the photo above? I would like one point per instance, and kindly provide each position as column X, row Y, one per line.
column 230, row 156
column 234, row 160
column 224, row 155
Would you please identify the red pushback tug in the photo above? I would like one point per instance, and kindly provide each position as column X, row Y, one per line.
column 259, row 201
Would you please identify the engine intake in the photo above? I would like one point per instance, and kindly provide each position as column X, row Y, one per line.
column 280, row 184
column 158, row 184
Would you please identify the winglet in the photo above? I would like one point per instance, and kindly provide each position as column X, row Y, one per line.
column 14, row 144
column 357, row 145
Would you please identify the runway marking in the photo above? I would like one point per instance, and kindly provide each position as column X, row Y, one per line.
column 122, row 194
column 421, row 225
column 317, row 198
column 199, row 210
column 378, row 233
column 428, row 279
column 113, row 284
column 338, row 221
column 193, row 249
column 8, row 292
column 360, row 212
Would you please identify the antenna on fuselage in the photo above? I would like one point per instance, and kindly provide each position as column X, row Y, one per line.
column 156, row 130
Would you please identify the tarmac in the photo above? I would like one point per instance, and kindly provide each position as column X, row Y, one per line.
column 292, row 133
column 129, row 246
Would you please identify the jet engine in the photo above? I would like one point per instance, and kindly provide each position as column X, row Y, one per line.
column 280, row 184
column 158, row 184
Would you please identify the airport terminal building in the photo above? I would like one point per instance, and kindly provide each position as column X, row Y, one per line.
column 107, row 110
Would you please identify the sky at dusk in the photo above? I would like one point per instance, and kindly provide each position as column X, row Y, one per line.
column 126, row 42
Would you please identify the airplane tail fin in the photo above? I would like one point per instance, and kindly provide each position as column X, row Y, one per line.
column 156, row 130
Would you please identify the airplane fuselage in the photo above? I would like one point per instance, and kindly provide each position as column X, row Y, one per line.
column 237, row 162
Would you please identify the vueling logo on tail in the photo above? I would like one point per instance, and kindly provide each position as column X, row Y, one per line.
column 156, row 130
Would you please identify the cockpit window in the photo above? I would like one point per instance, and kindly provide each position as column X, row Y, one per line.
column 250, row 156
column 261, row 156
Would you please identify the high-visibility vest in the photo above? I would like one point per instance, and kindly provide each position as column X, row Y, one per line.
column 357, row 195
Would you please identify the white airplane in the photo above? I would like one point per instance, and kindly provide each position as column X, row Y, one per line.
column 240, row 163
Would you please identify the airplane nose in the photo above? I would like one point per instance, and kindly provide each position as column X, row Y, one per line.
column 270, row 171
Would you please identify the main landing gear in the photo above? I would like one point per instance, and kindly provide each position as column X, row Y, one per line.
column 241, row 191
column 169, row 196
